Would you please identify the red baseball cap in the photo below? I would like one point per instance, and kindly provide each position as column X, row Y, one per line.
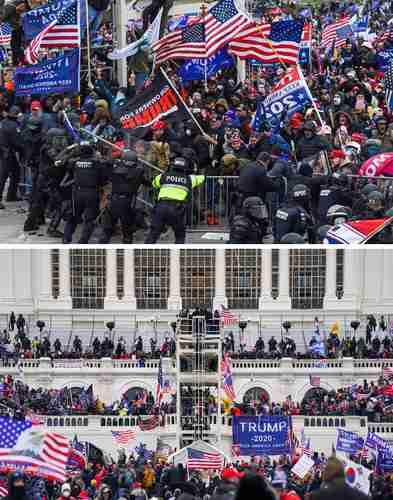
column 35, row 105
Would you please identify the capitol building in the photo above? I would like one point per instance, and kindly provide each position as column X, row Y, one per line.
column 126, row 293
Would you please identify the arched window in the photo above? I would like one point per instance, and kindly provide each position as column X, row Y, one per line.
column 132, row 394
column 307, row 276
column 314, row 394
column 256, row 396
column 88, row 278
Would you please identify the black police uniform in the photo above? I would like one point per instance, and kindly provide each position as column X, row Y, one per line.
column 329, row 196
column 126, row 178
column 291, row 219
column 10, row 145
column 249, row 226
column 253, row 181
column 89, row 176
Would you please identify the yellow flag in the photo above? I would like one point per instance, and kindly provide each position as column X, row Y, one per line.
column 227, row 405
column 335, row 329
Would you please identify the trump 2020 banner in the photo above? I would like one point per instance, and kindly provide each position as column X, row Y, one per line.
column 348, row 442
column 262, row 435
column 54, row 76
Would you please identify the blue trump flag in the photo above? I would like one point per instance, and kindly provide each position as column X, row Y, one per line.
column 384, row 58
column 36, row 20
column 385, row 459
column 54, row 76
column 348, row 442
column 375, row 442
column 198, row 69
column 262, row 435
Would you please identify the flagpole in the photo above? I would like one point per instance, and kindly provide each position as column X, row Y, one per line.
column 182, row 101
column 310, row 95
column 89, row 82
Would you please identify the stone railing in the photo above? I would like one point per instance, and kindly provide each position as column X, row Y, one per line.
column 94, row 422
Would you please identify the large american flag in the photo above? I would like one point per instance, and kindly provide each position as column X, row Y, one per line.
column 32, row 51
column 270, row 43
column 387, row 372
column 388, row 84
column 224, row 22
column 3, row 488
column 203, row 460
column 227, row 383
column 5, row 34
column 336, row 33
column 123, row 438
column 226, row 317
column 149, row 422
column 183, row 43
column 22, row 446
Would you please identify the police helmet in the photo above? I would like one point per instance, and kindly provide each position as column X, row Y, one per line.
column 322, row 232
column 337, row 214
column 292, row 239
column 375, row 200
column 300, row 192
column 129, row 156
column 254, row 207
column 181, row 164
column 368, row 188
column 85, row 147
column 339, row 179
column 240, row 228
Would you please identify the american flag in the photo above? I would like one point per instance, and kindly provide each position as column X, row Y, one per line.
column 203, row 460
column 159, row 384
column 34, row 418
column 306, row 448
column 123, row 438
column 3, row 489
column 224, row 22
column 61, row 32
column 5, row 34
column 226, row 317
column 227, row 383
column 315, row 381
column 23, row 446
column 336, row 33
column 183, row 43
column 147, row 423
column 270, row 43
column 388, row 84
column 387, row 373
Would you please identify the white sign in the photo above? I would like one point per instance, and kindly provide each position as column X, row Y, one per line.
column 303, row 466
column 357, row 476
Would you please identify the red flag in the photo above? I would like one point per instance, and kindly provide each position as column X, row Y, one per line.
column 377, row 165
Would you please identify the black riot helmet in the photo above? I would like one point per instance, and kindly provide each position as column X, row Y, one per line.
column 129, row 156
column 85, row 148
column 375, row 201
column 340, row 179
column 254, row 208
column 300, row 193
column 292, row 239
column 337, row 214
column 181, row 164
column 368, row 188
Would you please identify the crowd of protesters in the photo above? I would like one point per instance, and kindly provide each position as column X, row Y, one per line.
column 348, row 90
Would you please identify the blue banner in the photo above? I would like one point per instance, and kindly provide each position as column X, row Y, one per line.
column 36, row 20
column 348, row 442
column 304, row 56
column 54, row 76
column 262, row 435
column 384, row 58
column 385, row 459
column 199, row 69
column 375, row 442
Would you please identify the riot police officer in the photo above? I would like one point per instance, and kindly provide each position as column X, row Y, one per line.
column 375, row 206
column 250, row 225
column 89, row 177
column 335, row 193
column 11, row 147
column 294, row 217
column 360, row 205
column 338, row 214
column 175, row 188
column 126, row 177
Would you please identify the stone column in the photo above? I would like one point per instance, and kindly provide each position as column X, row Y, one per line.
column 64, row 301
column 266, row 299
column 220, row 275
column 330, row 300
column 129, row 280
column 174, row 299
column 111, row 300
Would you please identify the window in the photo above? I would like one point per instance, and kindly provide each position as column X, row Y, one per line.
column 307, row 278
column 120, row 274
column 197, row 277
column 55, row 265
column 243, row 278
column 339, row 274
column 275, row 273
column 88, row 278
column 256, row 396
column 152, row 271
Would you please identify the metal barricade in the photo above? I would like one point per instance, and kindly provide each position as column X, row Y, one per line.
column 211, row 204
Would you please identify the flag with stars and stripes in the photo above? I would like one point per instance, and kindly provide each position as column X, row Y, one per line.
column 183, row 43
column 63, row 31
column 28, row 448
column 227, row 383
column 159, row 384
column 224, row 22
column 270, row 43
column 387, row 372
column 123, row 438
column 388, row 84
column 336, row 33
column 5, row 34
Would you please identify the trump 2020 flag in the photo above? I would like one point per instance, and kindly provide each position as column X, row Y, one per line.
column 199, row 69
column 32, row 449
column 54, row 76
column 36, row 20
column 288, row 96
